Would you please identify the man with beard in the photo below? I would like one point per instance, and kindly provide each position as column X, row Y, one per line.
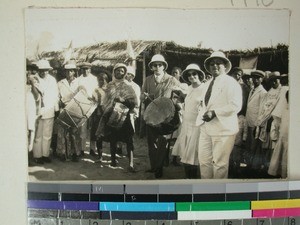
column 115, row 125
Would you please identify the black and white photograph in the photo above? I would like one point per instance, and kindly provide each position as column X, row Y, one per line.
column 157, row 94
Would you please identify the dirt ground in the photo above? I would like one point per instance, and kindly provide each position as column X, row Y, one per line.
column 90, row 168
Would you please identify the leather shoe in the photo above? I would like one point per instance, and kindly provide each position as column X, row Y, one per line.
column 150, row 171
column 159, row 173
column 75, row 158
column 39, row 161
column 47, row 160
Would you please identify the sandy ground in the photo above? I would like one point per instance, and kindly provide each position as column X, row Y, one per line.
column 90, row 168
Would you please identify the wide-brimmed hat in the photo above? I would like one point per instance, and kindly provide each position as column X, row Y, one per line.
column 192, row 66
column 43, row 64
column 158, row 58
column 70, row 67
column 219, row 55
column 84, row 65
column 120, row 65
column 131, row 70
column 258, row 73
column 274, row 75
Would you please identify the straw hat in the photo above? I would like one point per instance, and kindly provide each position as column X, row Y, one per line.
column 219, row 55
column 158, row 58
column 44, row 65
column 192, row 66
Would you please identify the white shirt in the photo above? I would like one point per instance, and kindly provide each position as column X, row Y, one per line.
column 67, row 90
column 48, row 87
column 90, row 83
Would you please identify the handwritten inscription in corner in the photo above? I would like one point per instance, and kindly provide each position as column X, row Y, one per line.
column 251, row 3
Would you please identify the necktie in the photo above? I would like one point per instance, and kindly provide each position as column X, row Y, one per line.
column 208, row 92
column 251, row 93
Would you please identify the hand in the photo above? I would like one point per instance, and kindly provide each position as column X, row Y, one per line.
column 209, row 115
column 119, row 99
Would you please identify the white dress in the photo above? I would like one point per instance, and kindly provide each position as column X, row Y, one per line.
column 186, row 145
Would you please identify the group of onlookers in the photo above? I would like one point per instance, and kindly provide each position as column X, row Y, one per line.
column 218, row 121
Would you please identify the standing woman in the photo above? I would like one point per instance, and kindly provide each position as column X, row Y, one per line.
column 186, row 145
column 104, row 77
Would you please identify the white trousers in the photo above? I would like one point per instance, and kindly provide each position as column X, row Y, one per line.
column 214, row 153
column 42, row 140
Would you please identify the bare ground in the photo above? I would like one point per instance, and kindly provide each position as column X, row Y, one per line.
column 90, row 168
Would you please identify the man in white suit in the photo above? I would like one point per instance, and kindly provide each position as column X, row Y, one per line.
column 221, row 103
column 255, row 98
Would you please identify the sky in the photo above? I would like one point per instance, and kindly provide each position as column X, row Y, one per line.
column 219, row 29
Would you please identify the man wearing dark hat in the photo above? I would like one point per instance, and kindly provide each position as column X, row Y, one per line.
column 264, row 122
column 255, row 98
column 88, row 82
column 222, row 101
column 159, row 84
column 237, row 152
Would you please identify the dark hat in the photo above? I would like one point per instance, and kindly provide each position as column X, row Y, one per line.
column 258, row 73
column 31, row 66
column 274, row 75
column 85, row 65
column 238, row 69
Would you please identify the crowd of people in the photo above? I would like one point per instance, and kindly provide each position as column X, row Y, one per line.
column 211, row 121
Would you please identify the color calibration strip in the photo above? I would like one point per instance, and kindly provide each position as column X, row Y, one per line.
column 98, row 204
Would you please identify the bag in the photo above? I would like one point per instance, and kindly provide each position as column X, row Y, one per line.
column 118, row 115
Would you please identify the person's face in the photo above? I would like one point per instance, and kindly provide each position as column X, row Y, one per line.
column 119, row 73
column 248, row 81
column 274, row 83
column 256, row 80
column 85, row 71
column 176, row 74
column 101, row 80
column 70, row 74
column 193, row 76
column 217, row 67
column 129, row 77
column 237, row 75
column 43, row 73
column 158, row 68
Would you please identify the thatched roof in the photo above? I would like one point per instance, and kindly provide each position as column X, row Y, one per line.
column 107, row 54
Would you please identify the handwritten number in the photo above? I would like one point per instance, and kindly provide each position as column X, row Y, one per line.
column 262, row 222
column 265, row 3
column 229, row 222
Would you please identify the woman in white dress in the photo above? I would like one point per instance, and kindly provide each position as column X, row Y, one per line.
column 186, row 145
